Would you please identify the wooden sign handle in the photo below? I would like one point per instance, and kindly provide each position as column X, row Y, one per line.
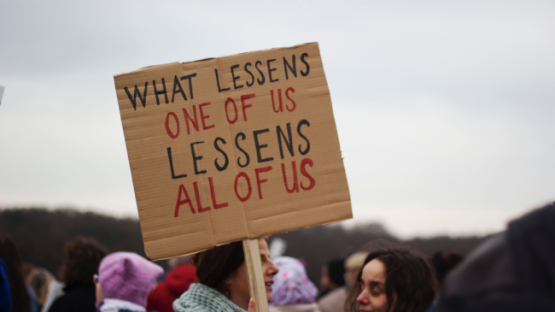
column 257, row 287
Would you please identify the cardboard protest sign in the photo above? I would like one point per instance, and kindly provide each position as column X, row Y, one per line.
column 230, row 148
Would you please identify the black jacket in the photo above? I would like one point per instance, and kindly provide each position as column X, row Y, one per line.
column 78, row 298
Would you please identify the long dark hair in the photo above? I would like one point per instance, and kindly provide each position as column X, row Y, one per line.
column 9, row 253
column 83, row 256
column 214, row 266
column 410, row 283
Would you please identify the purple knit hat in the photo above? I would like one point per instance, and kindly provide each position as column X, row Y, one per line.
column 291, row 285
column 127, row 276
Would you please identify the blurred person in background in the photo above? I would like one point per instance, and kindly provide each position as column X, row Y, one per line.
column 177, row 281
column 445, row 262
column 353, row 265
column 123, row 282
column 335, row 300
column 46, row 287
column 333, row 291
column 292, row 290
column 39, row 279
column 332, row 276
column 393, row 280
column 82, row 258
column 5, row 298
column 223, row 282
column 510, row 271
column 22, row 295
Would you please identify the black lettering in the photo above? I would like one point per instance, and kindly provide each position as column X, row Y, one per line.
column 171, row 165
column 252, row 76
column 270, row 70
column 218, row 81
column 189, row 77
column 259, row 147
column 195, row 157
column 243, row 137
column 288, row 143
column 260, row 82
column 305, row 73
column 307, row 149
column 292, row 69
column 235, row 77
column 134, row 99
column 220, row 168
column 176, row 84
column 160, row 92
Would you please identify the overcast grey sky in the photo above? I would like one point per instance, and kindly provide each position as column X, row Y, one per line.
column 445, row 109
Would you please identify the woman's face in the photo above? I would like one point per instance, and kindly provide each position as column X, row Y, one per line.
column 373, row 297
column 239, row 280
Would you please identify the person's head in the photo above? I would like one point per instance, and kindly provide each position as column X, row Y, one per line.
column 83, row 256
column 126, row 276
column 332, row 275
column 39, row 279
column 352, row 265
column 9, row 253
column 223, row 268
column 445, row 262
column 292, row 285
column 393, row 280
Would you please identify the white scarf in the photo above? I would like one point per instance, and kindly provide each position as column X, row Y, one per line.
column 116, row 305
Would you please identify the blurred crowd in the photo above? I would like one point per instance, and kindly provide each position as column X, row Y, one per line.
column 510, row 271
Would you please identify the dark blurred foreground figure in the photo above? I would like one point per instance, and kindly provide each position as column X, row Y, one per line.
column 292, row 290
column 445, row 262
column 123, row 282
column 223, row 282
column 511, row 271
column 177, row 282
column 82, row 258
column 5, row 298
column 22, row 296
column 393, row 280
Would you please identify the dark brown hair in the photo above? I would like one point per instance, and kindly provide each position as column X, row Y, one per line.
column 9, row 253
column 410, row 282
column 214, row 266
column 83, row 256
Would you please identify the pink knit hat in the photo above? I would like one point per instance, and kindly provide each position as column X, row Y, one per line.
column 127, row 276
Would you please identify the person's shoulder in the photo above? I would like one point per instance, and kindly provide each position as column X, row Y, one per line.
column 334, row 295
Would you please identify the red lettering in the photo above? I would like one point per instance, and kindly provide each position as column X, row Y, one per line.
column 287, row 95
column 258, row 181
column 280, row 108
column 245, row 106
column 187, row 200
column 304, row 162
column 234, row 107
column 187, row 118
column 168, row 130
column 199, row 204
column 242, row 174
column 213, row 193
column 203, row 117
column 295, row 187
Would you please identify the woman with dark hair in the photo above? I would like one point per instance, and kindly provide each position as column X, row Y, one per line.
column 83, row 256
column 393, row 280
column 23, row 297
column 223, row 282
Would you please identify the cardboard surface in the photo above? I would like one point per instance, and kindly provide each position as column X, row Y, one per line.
column 211, row 142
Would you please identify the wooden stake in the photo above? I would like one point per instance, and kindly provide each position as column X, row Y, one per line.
column 257, row 287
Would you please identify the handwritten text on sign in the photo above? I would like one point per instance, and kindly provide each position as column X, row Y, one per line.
column 252, row 133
